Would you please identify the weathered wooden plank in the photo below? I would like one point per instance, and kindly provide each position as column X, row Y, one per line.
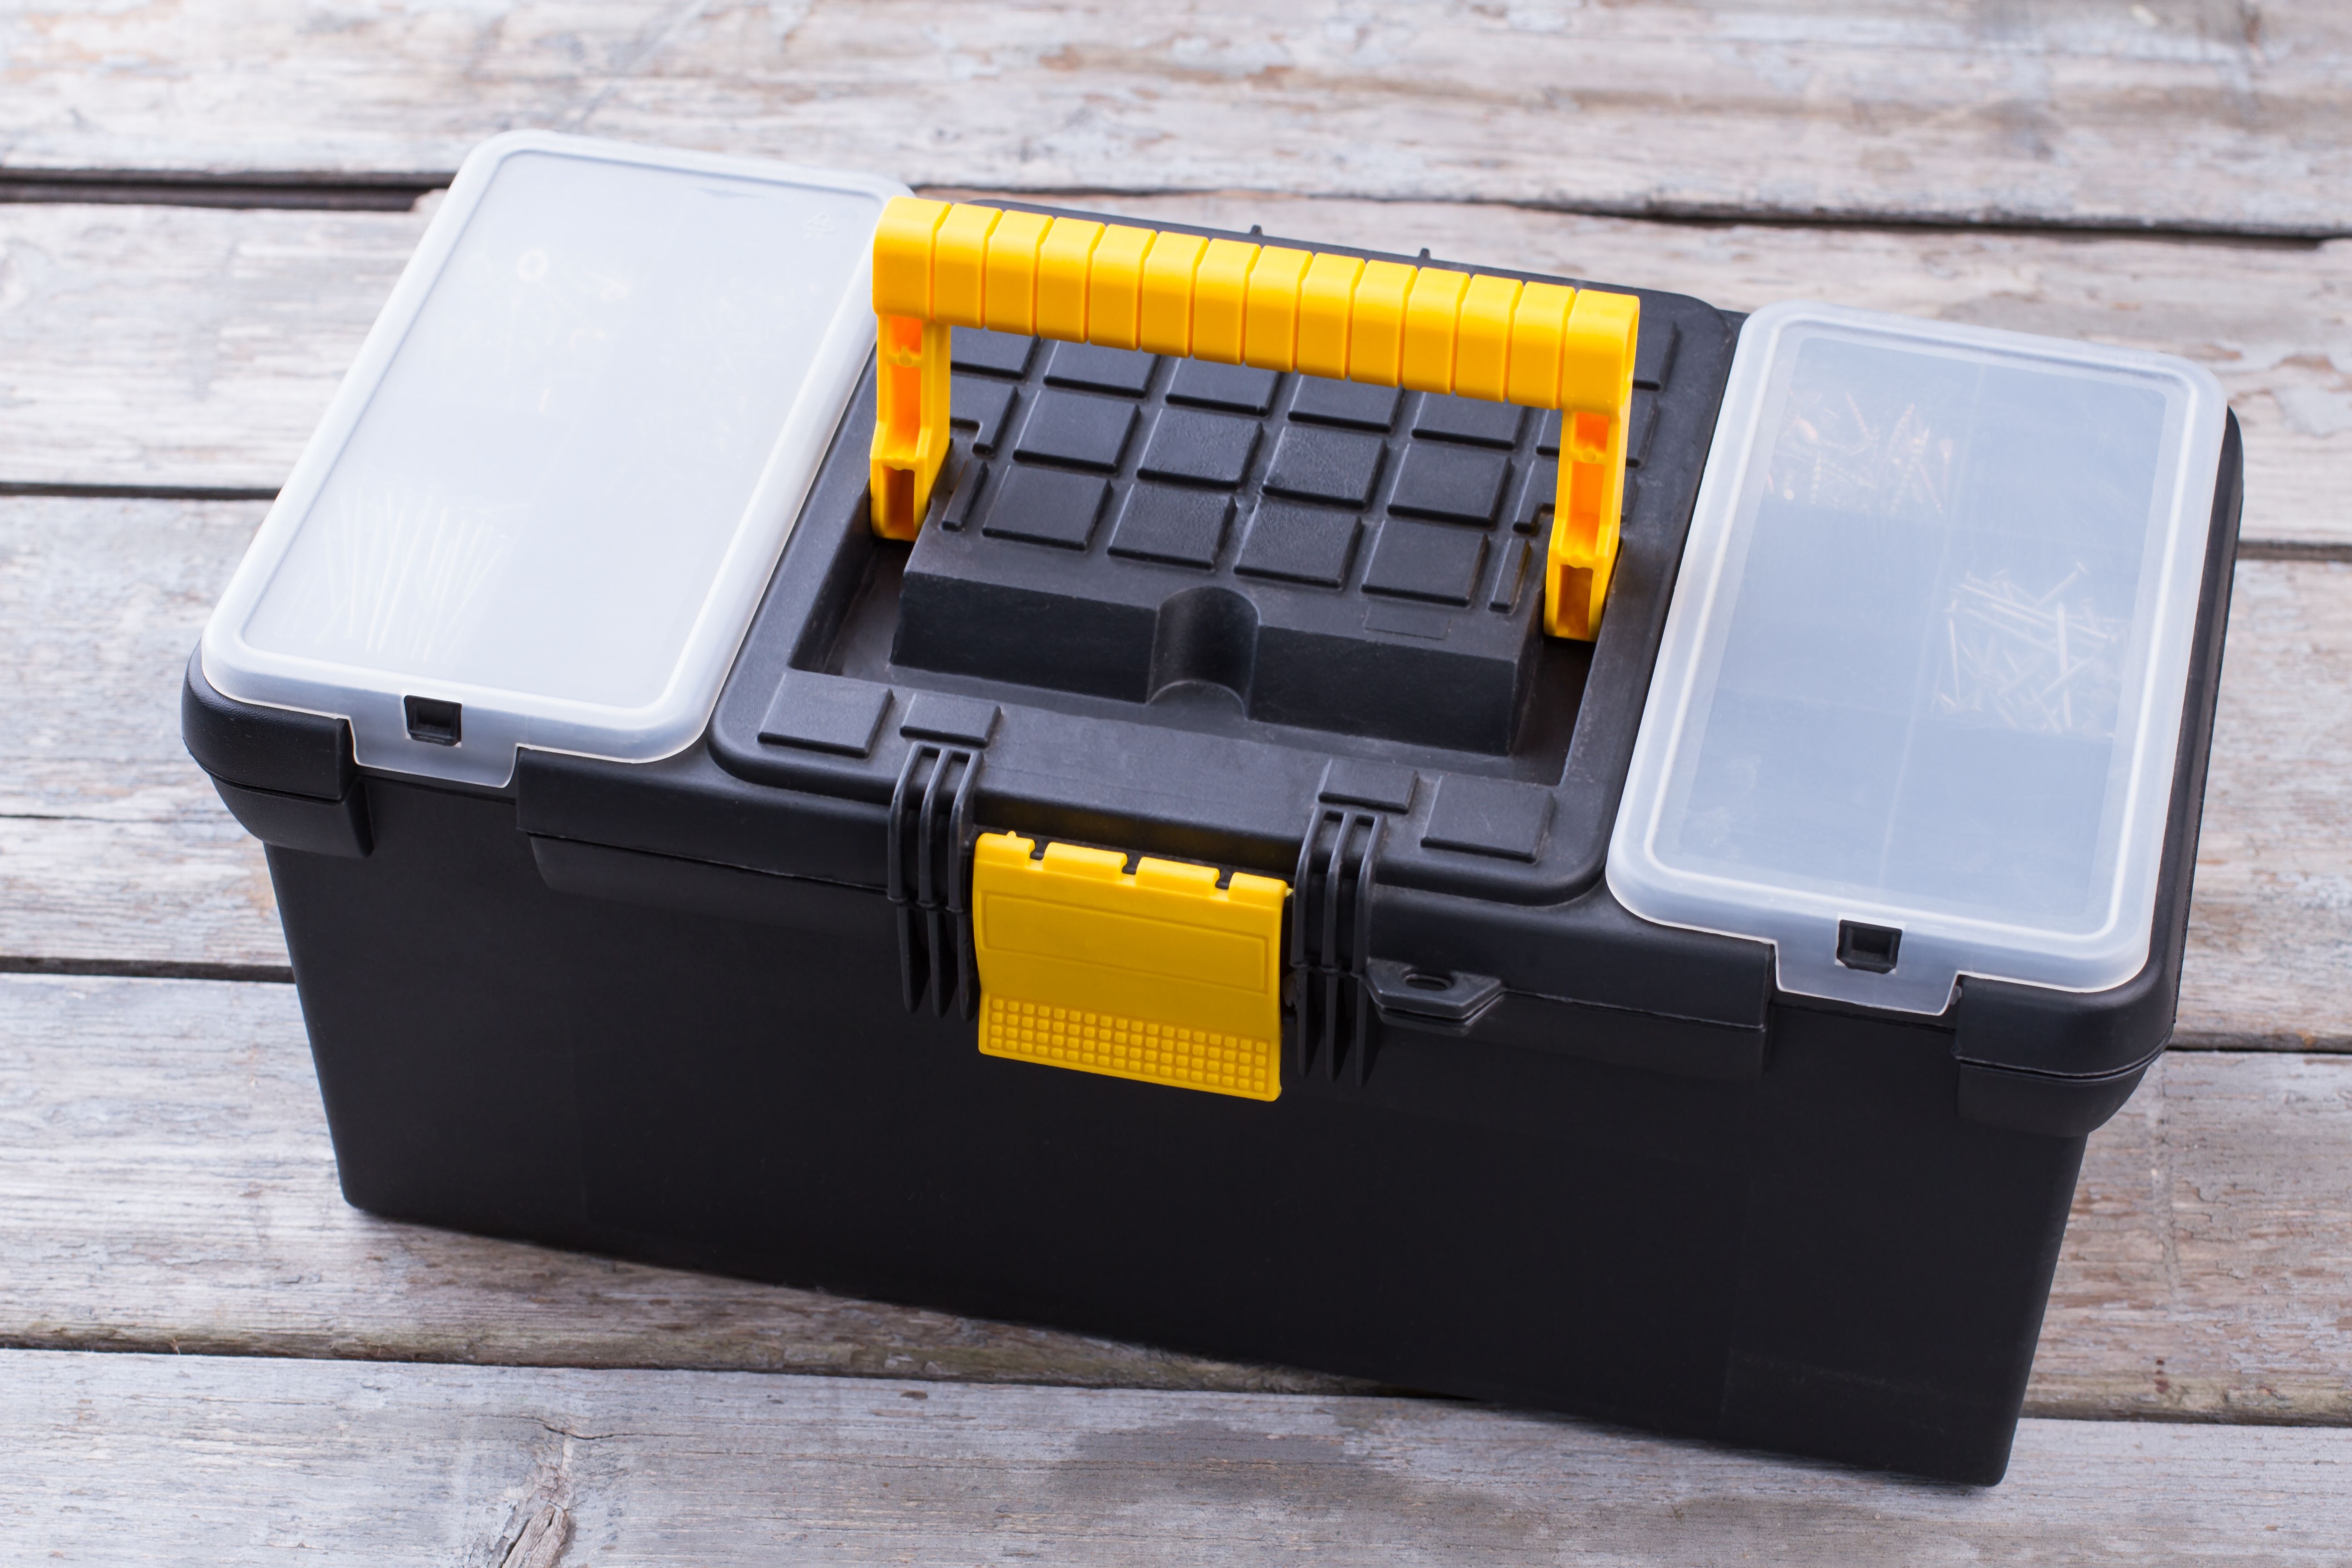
column 2208, row 1264
column 166, row 1183
column 112, row 846
column 180, row 347
column 2200, row 113
column 132, row 1459
column 2270, row 929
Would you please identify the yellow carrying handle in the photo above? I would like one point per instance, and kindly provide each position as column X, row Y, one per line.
column 938, row 266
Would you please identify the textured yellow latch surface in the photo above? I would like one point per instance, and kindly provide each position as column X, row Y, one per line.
column 1158, row 975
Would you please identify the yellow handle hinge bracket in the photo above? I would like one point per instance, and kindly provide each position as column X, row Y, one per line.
column 929, row 822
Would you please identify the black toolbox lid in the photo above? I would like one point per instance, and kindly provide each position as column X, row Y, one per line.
column 1198, row 599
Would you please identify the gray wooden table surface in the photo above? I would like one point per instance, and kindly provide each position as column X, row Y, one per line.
column 205, row 1357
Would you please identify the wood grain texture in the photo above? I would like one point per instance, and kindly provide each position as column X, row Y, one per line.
column 2220, row 1196
column 181, row 347
column 2186, row 114
column 112, row 845
column 114, row 849
column 120, row 1459
column 166, row 1183
column 2270, row 929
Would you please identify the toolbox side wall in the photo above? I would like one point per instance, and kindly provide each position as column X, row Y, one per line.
column 1898, row 1258
column 1810, row 1259
column 441, row 1006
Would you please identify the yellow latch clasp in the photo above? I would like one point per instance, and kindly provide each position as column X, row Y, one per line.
column 1156, row 974
column 938, row 266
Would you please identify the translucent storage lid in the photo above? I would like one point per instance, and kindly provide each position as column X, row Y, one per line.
column 542, row 506
column 1917, row 706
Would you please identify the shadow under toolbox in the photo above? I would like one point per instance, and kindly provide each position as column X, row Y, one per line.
column 713, row 812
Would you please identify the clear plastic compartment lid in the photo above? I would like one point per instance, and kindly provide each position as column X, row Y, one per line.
column 1917, row 706
column 542, row 506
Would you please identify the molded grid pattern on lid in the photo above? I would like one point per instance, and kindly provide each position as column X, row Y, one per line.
column 1403, row 527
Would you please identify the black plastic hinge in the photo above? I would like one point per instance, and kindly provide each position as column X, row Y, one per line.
column 930, row 847
column 1330, row 941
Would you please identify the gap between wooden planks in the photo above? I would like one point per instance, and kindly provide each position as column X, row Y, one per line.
column 166, row 1183
column 132, row 1459
column 185, row 348
column 2202, row 115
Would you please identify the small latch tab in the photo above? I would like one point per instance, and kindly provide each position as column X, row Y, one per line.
column 1330, row 939
column 931, row 819
column 1158, row 975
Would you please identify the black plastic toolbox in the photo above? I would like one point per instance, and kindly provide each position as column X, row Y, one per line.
column 719, row 1008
